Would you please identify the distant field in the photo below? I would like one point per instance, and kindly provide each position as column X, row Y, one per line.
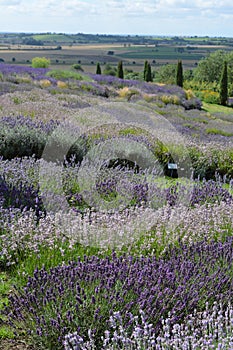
column 66, row 49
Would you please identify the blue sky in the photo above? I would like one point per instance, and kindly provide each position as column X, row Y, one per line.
column 162, row 17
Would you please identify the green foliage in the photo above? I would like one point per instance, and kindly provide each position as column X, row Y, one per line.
column 109, row 70
column 4, row 286
column 216, row 108
column 131, row 131
column 64, row 74
column 166, row 74
column 203, row 166
column 32, row 41
column 40, row 62
column 120, row 72
column 6, row 332
column 208, row 96
column 98, row 69
column 188, row 74
column 207, row 165
column 215, row 131
column 209, row 69
column 17, row 100
column 133, row 75
column 78, row 67
column 201, row 85
column 50, row 257
column 224, row 86
column 179, row 74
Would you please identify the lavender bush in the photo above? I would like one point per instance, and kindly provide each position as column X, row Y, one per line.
column 10, row 71
column 22, row 136
column 24, row 197
column 209, row 329
column 77, row 296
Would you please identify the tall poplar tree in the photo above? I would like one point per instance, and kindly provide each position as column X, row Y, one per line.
column 120, row 73
column 179, row 74
column 223, row 93
column 145, row 69
column 148, row 74
column 98, row 69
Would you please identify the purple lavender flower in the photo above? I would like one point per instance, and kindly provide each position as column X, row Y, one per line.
column 183, row 280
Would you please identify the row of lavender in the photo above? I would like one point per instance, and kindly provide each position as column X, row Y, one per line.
column 82, row 296
column 100, row 85
column 20, row 188
column 23, row 136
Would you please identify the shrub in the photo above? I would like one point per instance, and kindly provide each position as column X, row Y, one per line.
column 170, row 99
column 44, row 83
column 22, row 136
column 40, row 62
column 193, row 103
column 208, row 96
column 77, row 66
column 127, row 93
column 61, row 84
column 109, row 70
column 167, row 74
column 24, row 197
column 212, row 326
column 189, row 94
column 64, row 74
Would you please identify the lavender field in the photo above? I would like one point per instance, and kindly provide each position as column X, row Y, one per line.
column 116, row 215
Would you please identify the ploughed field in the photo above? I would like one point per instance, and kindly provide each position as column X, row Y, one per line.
column 116, row 215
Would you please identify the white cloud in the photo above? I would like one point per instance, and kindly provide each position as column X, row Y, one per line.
column 9, row 2
column 117, row 16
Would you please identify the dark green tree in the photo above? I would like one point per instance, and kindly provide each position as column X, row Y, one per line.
column 120, row 73
column 98, row 69
column 179, row 74
column 223, row 93
column 148, row 75
column 145, row 69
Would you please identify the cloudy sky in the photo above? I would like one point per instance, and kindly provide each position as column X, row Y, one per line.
column 162, row 17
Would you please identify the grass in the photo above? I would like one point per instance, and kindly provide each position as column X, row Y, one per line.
column 5, row 287
column 6, row 333
column 214, row 108
column 18, row 275
column 215, row 131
